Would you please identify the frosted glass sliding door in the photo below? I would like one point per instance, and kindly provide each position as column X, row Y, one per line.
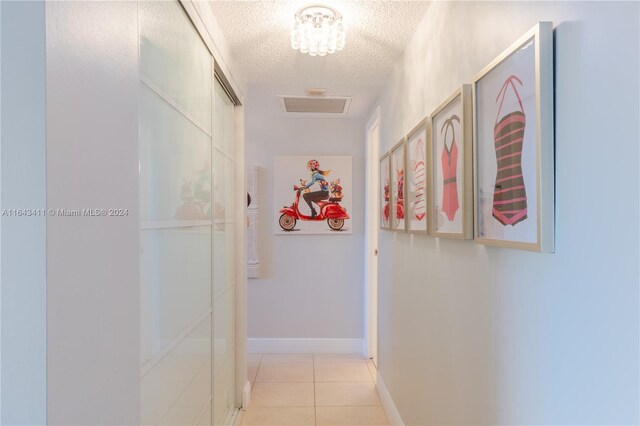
column 176, row 211
column 223, row 239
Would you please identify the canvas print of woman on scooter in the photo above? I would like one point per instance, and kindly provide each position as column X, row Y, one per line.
column 322, row 196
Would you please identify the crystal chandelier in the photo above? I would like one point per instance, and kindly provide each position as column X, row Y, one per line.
column 317, row 30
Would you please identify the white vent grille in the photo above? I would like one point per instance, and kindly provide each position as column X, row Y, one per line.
column 317, row 106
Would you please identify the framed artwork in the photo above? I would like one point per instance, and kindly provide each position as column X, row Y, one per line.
column 385, row 191
column 417, row 200
column 312, row 195
column 452, row 166
column 513, row 145
column 398, row 161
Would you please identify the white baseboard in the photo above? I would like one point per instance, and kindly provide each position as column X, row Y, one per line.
column 246, row 396
column 390, row 409
column 259, row 345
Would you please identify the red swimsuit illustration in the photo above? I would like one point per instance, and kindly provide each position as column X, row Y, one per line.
column 386, row 211
column 419, row 181
column 509, row 196
column 400, row 195
column 450, row 203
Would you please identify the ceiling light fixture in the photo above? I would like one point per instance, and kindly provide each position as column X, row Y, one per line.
column 317, row 30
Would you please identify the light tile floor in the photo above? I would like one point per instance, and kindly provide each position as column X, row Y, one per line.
column 307, row 389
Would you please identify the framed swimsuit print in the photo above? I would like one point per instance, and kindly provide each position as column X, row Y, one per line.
column 513, row 145
column 451, row 165
column 417, row 184
column 398, row 161
column 385, row 191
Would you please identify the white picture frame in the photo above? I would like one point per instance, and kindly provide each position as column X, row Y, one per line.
column 452, row 167
column 514, row 145
column 398, row 187
column 417, row 171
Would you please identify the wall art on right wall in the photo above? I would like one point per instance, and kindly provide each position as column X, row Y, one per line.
column 417, row 179
column 513, row 145
column 452, row 192
column 385, row 191
column 398, row 162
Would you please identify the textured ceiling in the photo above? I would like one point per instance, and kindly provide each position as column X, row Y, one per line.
column 377, row 32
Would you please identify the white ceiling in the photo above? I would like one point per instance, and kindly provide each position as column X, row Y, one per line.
column 377, row 32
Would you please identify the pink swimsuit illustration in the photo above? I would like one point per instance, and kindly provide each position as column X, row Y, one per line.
column 509, row 196
column 450, row 203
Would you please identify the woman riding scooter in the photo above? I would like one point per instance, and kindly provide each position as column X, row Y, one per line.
column 317, row 175
column 330, row 208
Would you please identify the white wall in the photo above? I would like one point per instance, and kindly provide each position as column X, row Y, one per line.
column 288, row 301
column 92, row 262
column 71, row 68
column 23, row 357
column 480, row 335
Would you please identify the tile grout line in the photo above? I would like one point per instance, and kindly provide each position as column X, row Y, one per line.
column 370, row 372
column 255, row 379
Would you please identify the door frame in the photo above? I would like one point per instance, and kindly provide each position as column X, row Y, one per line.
column 370, row 342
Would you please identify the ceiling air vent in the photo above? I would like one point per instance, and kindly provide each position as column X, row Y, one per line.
column 309, row 106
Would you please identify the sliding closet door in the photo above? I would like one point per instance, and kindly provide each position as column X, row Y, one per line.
column 176, row 282
column 223, row 238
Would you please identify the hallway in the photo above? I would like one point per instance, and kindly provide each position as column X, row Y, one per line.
column 354, row 213
column 313, row 389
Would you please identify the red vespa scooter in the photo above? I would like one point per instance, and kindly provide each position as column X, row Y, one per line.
column 332, row 211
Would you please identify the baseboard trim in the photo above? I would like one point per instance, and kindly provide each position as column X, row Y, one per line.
column 246, row 396
column 390, row 409
column 258, row 345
